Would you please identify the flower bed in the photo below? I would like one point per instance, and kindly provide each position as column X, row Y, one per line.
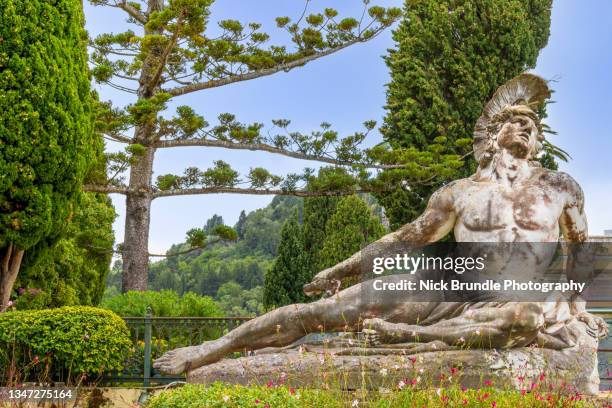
column 275, row 395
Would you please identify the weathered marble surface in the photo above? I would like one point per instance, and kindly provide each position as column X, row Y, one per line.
column 506, row 369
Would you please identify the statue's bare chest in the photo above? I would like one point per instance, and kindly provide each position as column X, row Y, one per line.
column 491, row 207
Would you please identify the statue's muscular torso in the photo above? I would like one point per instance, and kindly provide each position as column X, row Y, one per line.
column 538, row 205
column 530, row 210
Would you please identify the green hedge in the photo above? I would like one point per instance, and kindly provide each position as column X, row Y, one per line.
column 68, row 340
column 164, row 303
column 220, row 395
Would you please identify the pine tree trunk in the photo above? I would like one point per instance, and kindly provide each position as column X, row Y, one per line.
column 137, row 221
column 11, row 263
column 138, row 202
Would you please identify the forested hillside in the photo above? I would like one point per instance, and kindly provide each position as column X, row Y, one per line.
column 232, row 273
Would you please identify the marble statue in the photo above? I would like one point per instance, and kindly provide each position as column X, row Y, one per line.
column 510, row 198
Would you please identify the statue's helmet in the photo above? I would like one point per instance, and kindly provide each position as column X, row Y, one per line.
column 524, row 94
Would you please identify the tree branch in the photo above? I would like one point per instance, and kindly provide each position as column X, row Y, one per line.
column 118, row 138
column 266, row 148
column 182, row 90
column 164, row 57
column 253, row 191
column 186, row 251
column 93, row 188
column 133, row 12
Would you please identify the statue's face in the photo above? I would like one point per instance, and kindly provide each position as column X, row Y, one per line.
column 518, row 135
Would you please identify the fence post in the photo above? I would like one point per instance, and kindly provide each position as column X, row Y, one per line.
column 147, row 348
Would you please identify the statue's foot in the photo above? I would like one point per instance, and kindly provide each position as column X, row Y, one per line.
column 382, row 331
column 183, row 359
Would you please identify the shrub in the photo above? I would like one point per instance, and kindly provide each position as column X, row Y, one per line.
column 69, row 341
column 165, row 303
column 226, row 396
column 233, row 396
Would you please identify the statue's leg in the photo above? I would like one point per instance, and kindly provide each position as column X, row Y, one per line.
column 511, row 325
column 344, row 311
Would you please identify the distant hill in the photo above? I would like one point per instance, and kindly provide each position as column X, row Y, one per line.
column 232, row 273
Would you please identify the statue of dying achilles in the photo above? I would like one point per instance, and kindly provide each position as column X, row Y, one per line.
column 509, row 199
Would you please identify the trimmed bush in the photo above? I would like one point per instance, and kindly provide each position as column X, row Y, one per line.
column 165, row 303
column 69, row 341
column 219, row 395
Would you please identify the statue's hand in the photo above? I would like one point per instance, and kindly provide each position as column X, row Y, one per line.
column 322, row 283
column 596, row 326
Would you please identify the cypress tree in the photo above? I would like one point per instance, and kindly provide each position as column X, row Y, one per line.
column 73, row 270
column 450, row 56
column 240, row 225
column 284, row 281
column 350, row 228
column 317, row 212
column 46, row 125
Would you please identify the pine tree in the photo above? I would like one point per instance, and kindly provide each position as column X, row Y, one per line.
column 350, row 228
column 284, row 281
column 46, row 126
column 451, row 56
column 170, row 53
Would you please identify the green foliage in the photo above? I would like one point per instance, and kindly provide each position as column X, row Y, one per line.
column 74, row 340
column 46, row 124
column 450, row 57
column 164, row 303
column 236, row 301
column 225, row 233
column 333, row 229
column 350, row 228
column 219, row 395
column 73, row 270
column 316, row 214
column 196, row 237
column 283, row 283
column 212, row 223
column 233, row 396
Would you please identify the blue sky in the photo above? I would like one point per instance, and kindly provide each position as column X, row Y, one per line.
column 348, row 88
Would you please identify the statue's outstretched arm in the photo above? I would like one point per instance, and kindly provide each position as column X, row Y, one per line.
column 435, row 223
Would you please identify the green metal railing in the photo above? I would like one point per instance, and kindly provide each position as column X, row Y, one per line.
column 153, row 336
column 604, row 353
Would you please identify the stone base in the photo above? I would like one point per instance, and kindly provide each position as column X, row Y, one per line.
column 321, row 367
